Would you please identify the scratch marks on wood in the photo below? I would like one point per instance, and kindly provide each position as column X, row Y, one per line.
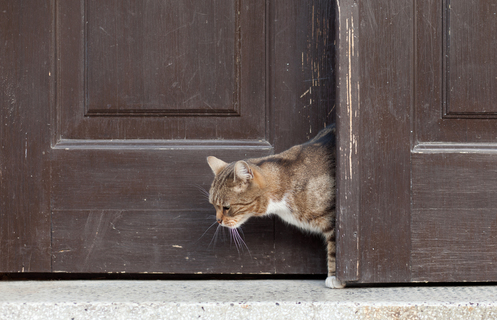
column 349, row 86
column 348, row 198
column 95, row 238
column 104, row 31
column 96, row 227
column 308, row 91
column 317, row 63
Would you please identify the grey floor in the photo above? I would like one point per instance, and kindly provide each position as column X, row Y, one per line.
column 256, row 299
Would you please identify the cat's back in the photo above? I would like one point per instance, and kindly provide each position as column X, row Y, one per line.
column 325, row 138
column 319, row 151
column 315, row 157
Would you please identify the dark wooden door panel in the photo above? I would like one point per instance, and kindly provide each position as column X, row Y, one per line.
column 157, row 241
column 455, row 95
column 463, row 250
column 454, row 217
column 162, row 58
column 454, row 156
column 147, row 91
column 135, row 77
column 110, row 109
column 25, row 86
column 154, row 70
column 417, row 141
column 138, row 177
column 133, row 206
column 470, row 46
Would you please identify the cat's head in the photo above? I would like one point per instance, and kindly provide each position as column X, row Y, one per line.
column 236, row 192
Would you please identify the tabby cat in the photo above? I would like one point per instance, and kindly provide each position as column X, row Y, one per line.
column 298, row 185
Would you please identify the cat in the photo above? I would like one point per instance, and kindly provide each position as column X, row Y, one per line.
column 298, row 185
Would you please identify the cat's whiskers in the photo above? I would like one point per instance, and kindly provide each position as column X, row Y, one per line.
column 203, row 234
column 204, row 192
column 214, row 237
column 234, row 239
column 243, row 241
column 238, row 240
column 241, row 230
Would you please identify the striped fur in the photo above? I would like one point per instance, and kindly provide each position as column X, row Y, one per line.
column 298, row 185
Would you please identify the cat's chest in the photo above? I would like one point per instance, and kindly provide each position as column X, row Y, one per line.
column 283, row 210
column 280, row 208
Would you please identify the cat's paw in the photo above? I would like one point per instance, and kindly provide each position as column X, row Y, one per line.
column 333, row 283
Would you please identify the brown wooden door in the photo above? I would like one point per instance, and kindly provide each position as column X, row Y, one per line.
column 145, row 92
column 418, row 133
column 110, row 108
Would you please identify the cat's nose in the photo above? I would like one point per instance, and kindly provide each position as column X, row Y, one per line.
column 219, row 220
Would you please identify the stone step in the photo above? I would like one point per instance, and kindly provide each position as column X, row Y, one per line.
column 244, row 299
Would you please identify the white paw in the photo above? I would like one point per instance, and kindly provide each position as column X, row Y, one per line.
column 333, row 283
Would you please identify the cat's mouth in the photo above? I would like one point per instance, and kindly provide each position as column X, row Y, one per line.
column 233, row 222
column 229, row 224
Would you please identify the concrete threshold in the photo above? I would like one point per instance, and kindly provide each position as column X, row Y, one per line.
column 248, row 299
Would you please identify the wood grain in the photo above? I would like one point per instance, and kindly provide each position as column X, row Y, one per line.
column 91, row 188
column 453, row 159
column 148, row 163
column 454, row 219
column 138, row 177
column 157, row 241
column 374, row 124
column 301, row 95
column 435, row 96
column 471, row 70
column 117, row 83
column 301, row 69
column 348, row 157
column 188, row 60
column 26, row 77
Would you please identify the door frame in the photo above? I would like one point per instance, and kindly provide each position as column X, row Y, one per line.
column 374, row 111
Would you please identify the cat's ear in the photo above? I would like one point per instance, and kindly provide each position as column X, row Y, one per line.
column 243, row 171
column 216, row 164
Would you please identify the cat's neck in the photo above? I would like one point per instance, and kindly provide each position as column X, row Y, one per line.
column 277, row 189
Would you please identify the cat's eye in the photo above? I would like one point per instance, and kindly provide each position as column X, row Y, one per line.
column 226, row 208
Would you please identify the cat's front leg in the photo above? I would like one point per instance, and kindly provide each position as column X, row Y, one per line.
column 332, row 281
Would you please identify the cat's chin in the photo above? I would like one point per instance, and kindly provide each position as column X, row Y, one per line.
column 235, row 224
column 333, row 283
column 232, row 226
